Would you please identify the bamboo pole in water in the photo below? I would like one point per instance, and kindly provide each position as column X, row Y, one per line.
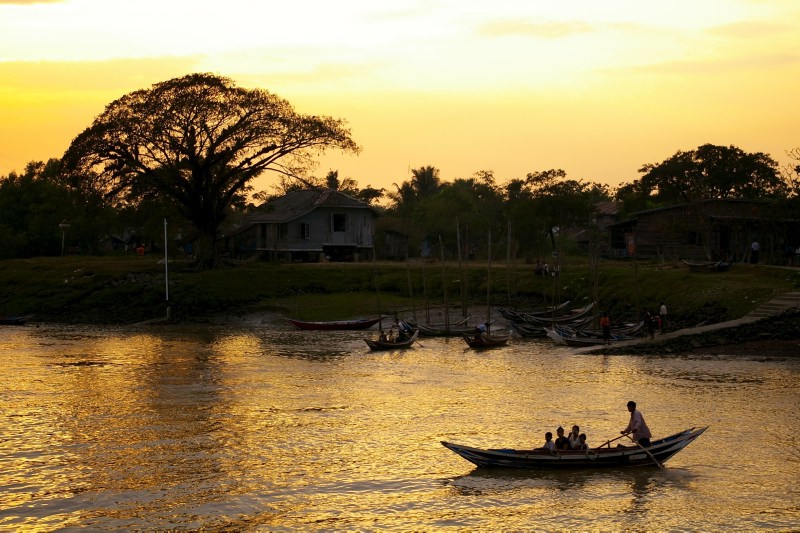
column 377, row 293
column 461, row 273
column 489, row 285
column 411, row 290
column 425, row 293
column 444, row 287
column 166, row 268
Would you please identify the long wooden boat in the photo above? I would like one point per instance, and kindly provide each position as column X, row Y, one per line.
column 378, row 345
column 659, row 452
column 540, row 330
column 442, row 330
column 580, row 337
column 519, row 316
column 586, row 341
column 708, row 266
column 14, row 320
column 575, row 316
column 486, row 340
column 363, row 323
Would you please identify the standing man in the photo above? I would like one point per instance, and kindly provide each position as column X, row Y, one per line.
column 605, row 325
column 662, row 312
column 754, row 249
column 641, row 433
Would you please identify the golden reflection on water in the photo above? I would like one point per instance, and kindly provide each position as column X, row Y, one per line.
column 239, row 428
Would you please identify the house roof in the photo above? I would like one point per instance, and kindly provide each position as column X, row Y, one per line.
column 707, row 201
column 635, row 216
column 608, row 208
column 297, row 203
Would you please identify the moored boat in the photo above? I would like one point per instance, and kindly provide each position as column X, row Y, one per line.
column 708, row 266
column 394, row 344
column 442, row 330
column 14, row 320
column 573, row 317
column 543, row 312
column 363, row 323
column 656, row 454
column 486, row 340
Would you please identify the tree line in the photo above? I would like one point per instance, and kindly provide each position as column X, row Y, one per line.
column 188, row 150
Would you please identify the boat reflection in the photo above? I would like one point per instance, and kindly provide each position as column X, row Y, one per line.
column 494, row 480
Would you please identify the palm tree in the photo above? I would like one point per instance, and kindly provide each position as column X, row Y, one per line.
column 425, row 181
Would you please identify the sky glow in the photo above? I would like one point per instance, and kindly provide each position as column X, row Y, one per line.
column 595, row 88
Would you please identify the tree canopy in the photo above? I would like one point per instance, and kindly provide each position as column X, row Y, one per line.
column 711, row 172
column 197, row 141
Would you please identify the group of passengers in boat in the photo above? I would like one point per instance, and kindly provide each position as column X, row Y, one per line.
column 399, row 332
column 637, row 428
column 575, row 441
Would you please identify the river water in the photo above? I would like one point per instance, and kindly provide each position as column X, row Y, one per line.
column 259, row 428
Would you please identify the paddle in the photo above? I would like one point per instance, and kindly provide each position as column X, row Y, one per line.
column 610, row 441
column 645, row 451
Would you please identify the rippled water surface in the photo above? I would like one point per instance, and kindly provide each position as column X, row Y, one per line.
column 256, row 428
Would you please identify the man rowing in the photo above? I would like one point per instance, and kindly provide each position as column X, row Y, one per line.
column 637, row 426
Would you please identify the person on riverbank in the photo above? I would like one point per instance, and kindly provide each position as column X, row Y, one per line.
column 637, row 426
column 605, row 326
column 754, row 249
column 662, row 314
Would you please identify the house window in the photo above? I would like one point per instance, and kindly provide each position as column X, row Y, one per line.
column 283, row 231
column 338, row 222
column 305, row 230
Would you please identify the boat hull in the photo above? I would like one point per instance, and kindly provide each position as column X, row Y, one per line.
column 712, row 266
column 333, row 325
column 441, row 330
column 14, row 320
column 628, row 456
column 379, row 345
column 486, row 340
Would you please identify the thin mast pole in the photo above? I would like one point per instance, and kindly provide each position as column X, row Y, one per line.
column 166, row 267
column 444, row 287
column 489, row 285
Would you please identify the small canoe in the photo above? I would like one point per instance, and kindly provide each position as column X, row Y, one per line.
column 7, row 320
column 709, row 266
column 574, row 317
column 333, row 324
column 486, row 340
column 519, row 316
column 442, row 330
column 538, row 459
column 583, row 338
column 379, row 345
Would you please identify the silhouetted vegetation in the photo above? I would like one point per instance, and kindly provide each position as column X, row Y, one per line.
column 187, row 149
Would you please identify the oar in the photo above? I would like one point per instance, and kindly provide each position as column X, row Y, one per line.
column 610, row 441
column 645, row 451
column 417, row 341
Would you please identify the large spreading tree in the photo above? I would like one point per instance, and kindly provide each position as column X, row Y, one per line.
column 197, row 142
column 711, row 172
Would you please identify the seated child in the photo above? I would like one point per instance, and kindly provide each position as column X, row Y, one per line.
column 548, row 442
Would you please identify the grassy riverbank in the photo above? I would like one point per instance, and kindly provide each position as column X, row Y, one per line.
column 127, row 289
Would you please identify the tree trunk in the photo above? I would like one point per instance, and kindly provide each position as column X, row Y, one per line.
column 206, row 253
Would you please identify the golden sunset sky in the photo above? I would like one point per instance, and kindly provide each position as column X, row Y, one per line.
column 597, row 88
